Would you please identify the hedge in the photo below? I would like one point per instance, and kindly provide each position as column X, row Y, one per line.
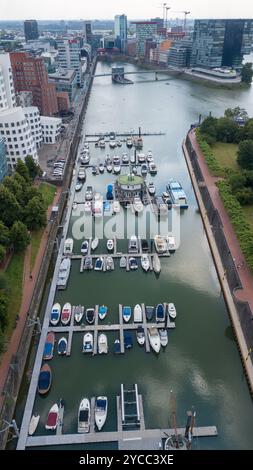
column 213, row 165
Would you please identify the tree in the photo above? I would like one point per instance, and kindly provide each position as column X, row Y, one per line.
column 3, row 311
column 32, row 166
column 248, row 130
column 233, row 113
column 247, row 73
column 245, row 196
column 2, row 253
column 19, row 236
column 22, row 169
column 35, row 213
column 237, row 181
column 14, row 187
column 245, row 154
column 4, row 234
column 226, row 130
column 10, row 210
column 209, row 127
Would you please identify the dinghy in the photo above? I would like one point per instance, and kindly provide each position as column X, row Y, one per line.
column 52, row 417
column 154, row 339
column 140, row 335
column 88, row 343
column 62, row 346
column 90, row 315
column 33, row 424
column 126, row 313
column 49, row 346
column 102, row 344
column 102, row 312
column 101, row 405
column 84, row 416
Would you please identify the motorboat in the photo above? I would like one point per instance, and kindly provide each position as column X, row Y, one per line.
column 133, row 159
column 163, row 337
column 144, row 245
column 119, row 143
column 144, row 169
column 49, row 346
column 94, row 244
column 137, row 314
column 116, row 207
column 90, row 315
column 68, row 246
column 137, row 203
column 63, row 274
column 160, row 313
column 133, row 245
column 98, row 208
column 156, row 263
column 88, row 264
column 145, row 262
column 122, row 262
column 177, row 194
column 126, row 313
column 45, row 379
column 116, row 169
column 66, row 314
column 94, row 170
column 99, row 264
column 125, row 159
column 160, row 244
column 134, row 170
column 86, row 145
column 108, row 160
column 109, row 168
column 154, row 339
column 129, row 142
column 117, row 346
column 102, row 312
column 79, row 311
column 151, row 189
column 85, row 159
column 149, row 156
column 52, row 417
column 88, row 193
column 149, row 310
column 102, row 344
column 128, row 340
column 133, row 263
column 101, row 405
column 141, row 157
column 87, row 343
column 102, row 144
column 74, row 206
column 152, row 168
column 140, row 335
column 33, row 424
column 62, row 346
column 109, row 263
column 171, row 244
column 78, row 186
column 166, row 197
column 172, row 311
column 84, row 416
column 116, row 160
column 81, row 174
column 85, row 247
column 109, row 193
column 101, row 168
column 110, row 245
column 112, row 144
column 55, row 314
column 87, row 207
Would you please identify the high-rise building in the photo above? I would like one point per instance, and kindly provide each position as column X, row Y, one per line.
column 88, row 32
column 120, row 32
column 3, row 159
column 31, row 30
column 218, row 43
column 30, row 74
column 144, row 30
column 70, row 57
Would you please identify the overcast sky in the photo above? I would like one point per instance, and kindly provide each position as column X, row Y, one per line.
column 134, row 9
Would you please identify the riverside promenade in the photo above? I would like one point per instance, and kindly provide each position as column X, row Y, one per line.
column 245, row 293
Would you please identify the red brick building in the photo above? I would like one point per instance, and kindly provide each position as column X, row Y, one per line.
column 30, row 74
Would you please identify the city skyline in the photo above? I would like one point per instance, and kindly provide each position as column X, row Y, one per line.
column 140, row 10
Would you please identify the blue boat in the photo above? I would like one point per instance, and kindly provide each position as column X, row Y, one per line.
column 128, row 340
column 62, row 346
column 160, row 313
column 126, row 313
column 55, row 314
column 102, row 312
column 117, row 346
column 99, row 264
column 45, row 379
column 177, row 194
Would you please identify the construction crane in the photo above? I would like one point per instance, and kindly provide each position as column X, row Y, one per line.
column 166, row 24
column 185, row 15
column 164, row 5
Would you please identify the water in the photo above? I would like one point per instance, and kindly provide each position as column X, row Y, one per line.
column 201, row 362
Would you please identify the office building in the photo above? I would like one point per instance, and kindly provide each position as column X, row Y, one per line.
column 51, row 129
column 144, row 30
column 65, row 81
column 70, row 57
column 218, row 43
column 30, row 74
column 3, row 159
column 31, row 30
column 120, row 32
column 32, row 115
column 88, row 32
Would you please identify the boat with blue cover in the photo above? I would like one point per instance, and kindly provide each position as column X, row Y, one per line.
column 177, row 194
column 160, row 313
column 126, row 313
column 99, row 264
column 102, row 312
column 55, row 314
column 88, row 343
column 62, row 346
column 128, row 340
column 117, row 346
column 49, row 346
column 45, row 379
column 149, row 312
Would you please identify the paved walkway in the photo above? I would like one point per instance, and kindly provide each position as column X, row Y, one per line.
column 29, row 281
column 246, row 276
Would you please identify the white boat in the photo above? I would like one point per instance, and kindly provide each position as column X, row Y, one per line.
column 140, row 335
column 109, row 168
column 81, row 174
column 78, row 186
column 88, row 343
column 116, row 207
column 129, row 142
column 154, row 339
column 125, row 159
column 126, row 313
column 172, row 310
column 87, row 207
column 74, row 207
column 79, row 312
column 133, row 245
column 160, row 244
column 63, row 274
column 116, row 169
column 101, row 406
column 156, row 263
column 33, row 424
column 112, row 144
column 52, row 417
column 141, row 157
column 68, row 246
column 88, row 193
column 102, row 312
column 94, row 243
column 119, row 143
column 55, row 314
column 152, row 168
column 177, row 194
column 101, row 168
column 145, row 262
column 109, row 263
column 149, row 156
column 62, row 346
column 85, row 247
column 163, row 337
column 84, row 416
column 171, row 244
column 102, row 144
column 151, row 189
column 137, row 203
column 132, row 159
column 133, row 265
column 122, row 262
column 102, row 344
column 66, row 313
column 110, row 245
column 98, row 208
column 137, row 314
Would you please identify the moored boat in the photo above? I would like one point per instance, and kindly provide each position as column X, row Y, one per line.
column 90, row 315
column 102, row 312
column 137, row 204
column 156, row 263
column 172, row 310
column 84, row 416
column 109, row 263
column 137, row 313
column 55, row 314
column 45, row 379
column 145, row 262
column 66, row 314
column 94, row 243
column 79, row 311
column 62, row 346
column 177, row 194
column 78, row 186
column 151, row 189
column 49, row 346
column 160, row 244
column 126, row 313
column 88, row 343
column 116, row 346
column 68, row 246
column 133, row 265
column 149, row 310
column 33, row 424
column 128, row 340
column 140, row 335
column 163, row 337
column 122, row 262
column 160, row 313
column 102, row 344
column 133, row 246
column 88, row 265
column 110, row 245
column 116, row 207
column 64, row 272
column 152, row 168
column 52, row 417
column 99, row 264
column 101, row 405
column 129, row 142
column 154, row 339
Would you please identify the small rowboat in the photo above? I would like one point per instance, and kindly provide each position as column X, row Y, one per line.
column 49, row 346
column 45, row 379
column 33, row 424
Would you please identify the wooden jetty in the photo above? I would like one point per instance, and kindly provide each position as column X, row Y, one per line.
column 60, row 420
column 145, row 326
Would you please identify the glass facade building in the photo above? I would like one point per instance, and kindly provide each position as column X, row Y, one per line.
column 120, row 32
column 144, row 30
column 3, row 159
column 31, row 30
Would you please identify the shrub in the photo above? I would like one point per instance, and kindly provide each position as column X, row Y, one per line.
column 211, row 161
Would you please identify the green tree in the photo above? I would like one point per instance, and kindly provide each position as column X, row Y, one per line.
column 233, row 113
column 3, row 311
column 248, row 130
column 20, row 237
column 35, row 213
column 226, row 130
column 237, row 181
column 4, row 234
column 245, row 154
column 2, row 253
column 209, row 128
column 244, row 196
column 14, row 187
column 33, row 169
column 22, row 169
column 10, row 210
column 247, row 73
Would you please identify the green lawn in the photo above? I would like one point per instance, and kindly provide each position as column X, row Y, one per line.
column 248, row 212
column 48, row 192
column 14, row 274
column 226, row 155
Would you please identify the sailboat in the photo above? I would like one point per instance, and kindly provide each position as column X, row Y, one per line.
column 177, row 441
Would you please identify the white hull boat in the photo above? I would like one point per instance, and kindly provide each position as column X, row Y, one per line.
column 137, row 313
column 110, row 245
column 145, row 262
column 55, row 314
column 154, row 339
column 102, row 312
column 53, row 417
column 33, row 424
column 140, row 335
column 109, row 263
column 137, row 204
column 63, row 274
column 101, row 406
column 68, row 246
column 84, row 416
column 79, row 311
column 172, row 311
column 102, row 344
column 116, row 207
column 94, row 243
column 122, row 262
column 126, row 313
column 163, row 337
column 88, row 343
column 156, row 263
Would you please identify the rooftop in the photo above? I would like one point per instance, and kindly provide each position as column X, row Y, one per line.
column 130, row 179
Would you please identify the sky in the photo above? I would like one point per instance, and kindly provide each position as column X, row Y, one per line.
column 134, row 9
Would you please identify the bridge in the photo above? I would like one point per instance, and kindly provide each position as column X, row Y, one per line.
column 156, row 71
